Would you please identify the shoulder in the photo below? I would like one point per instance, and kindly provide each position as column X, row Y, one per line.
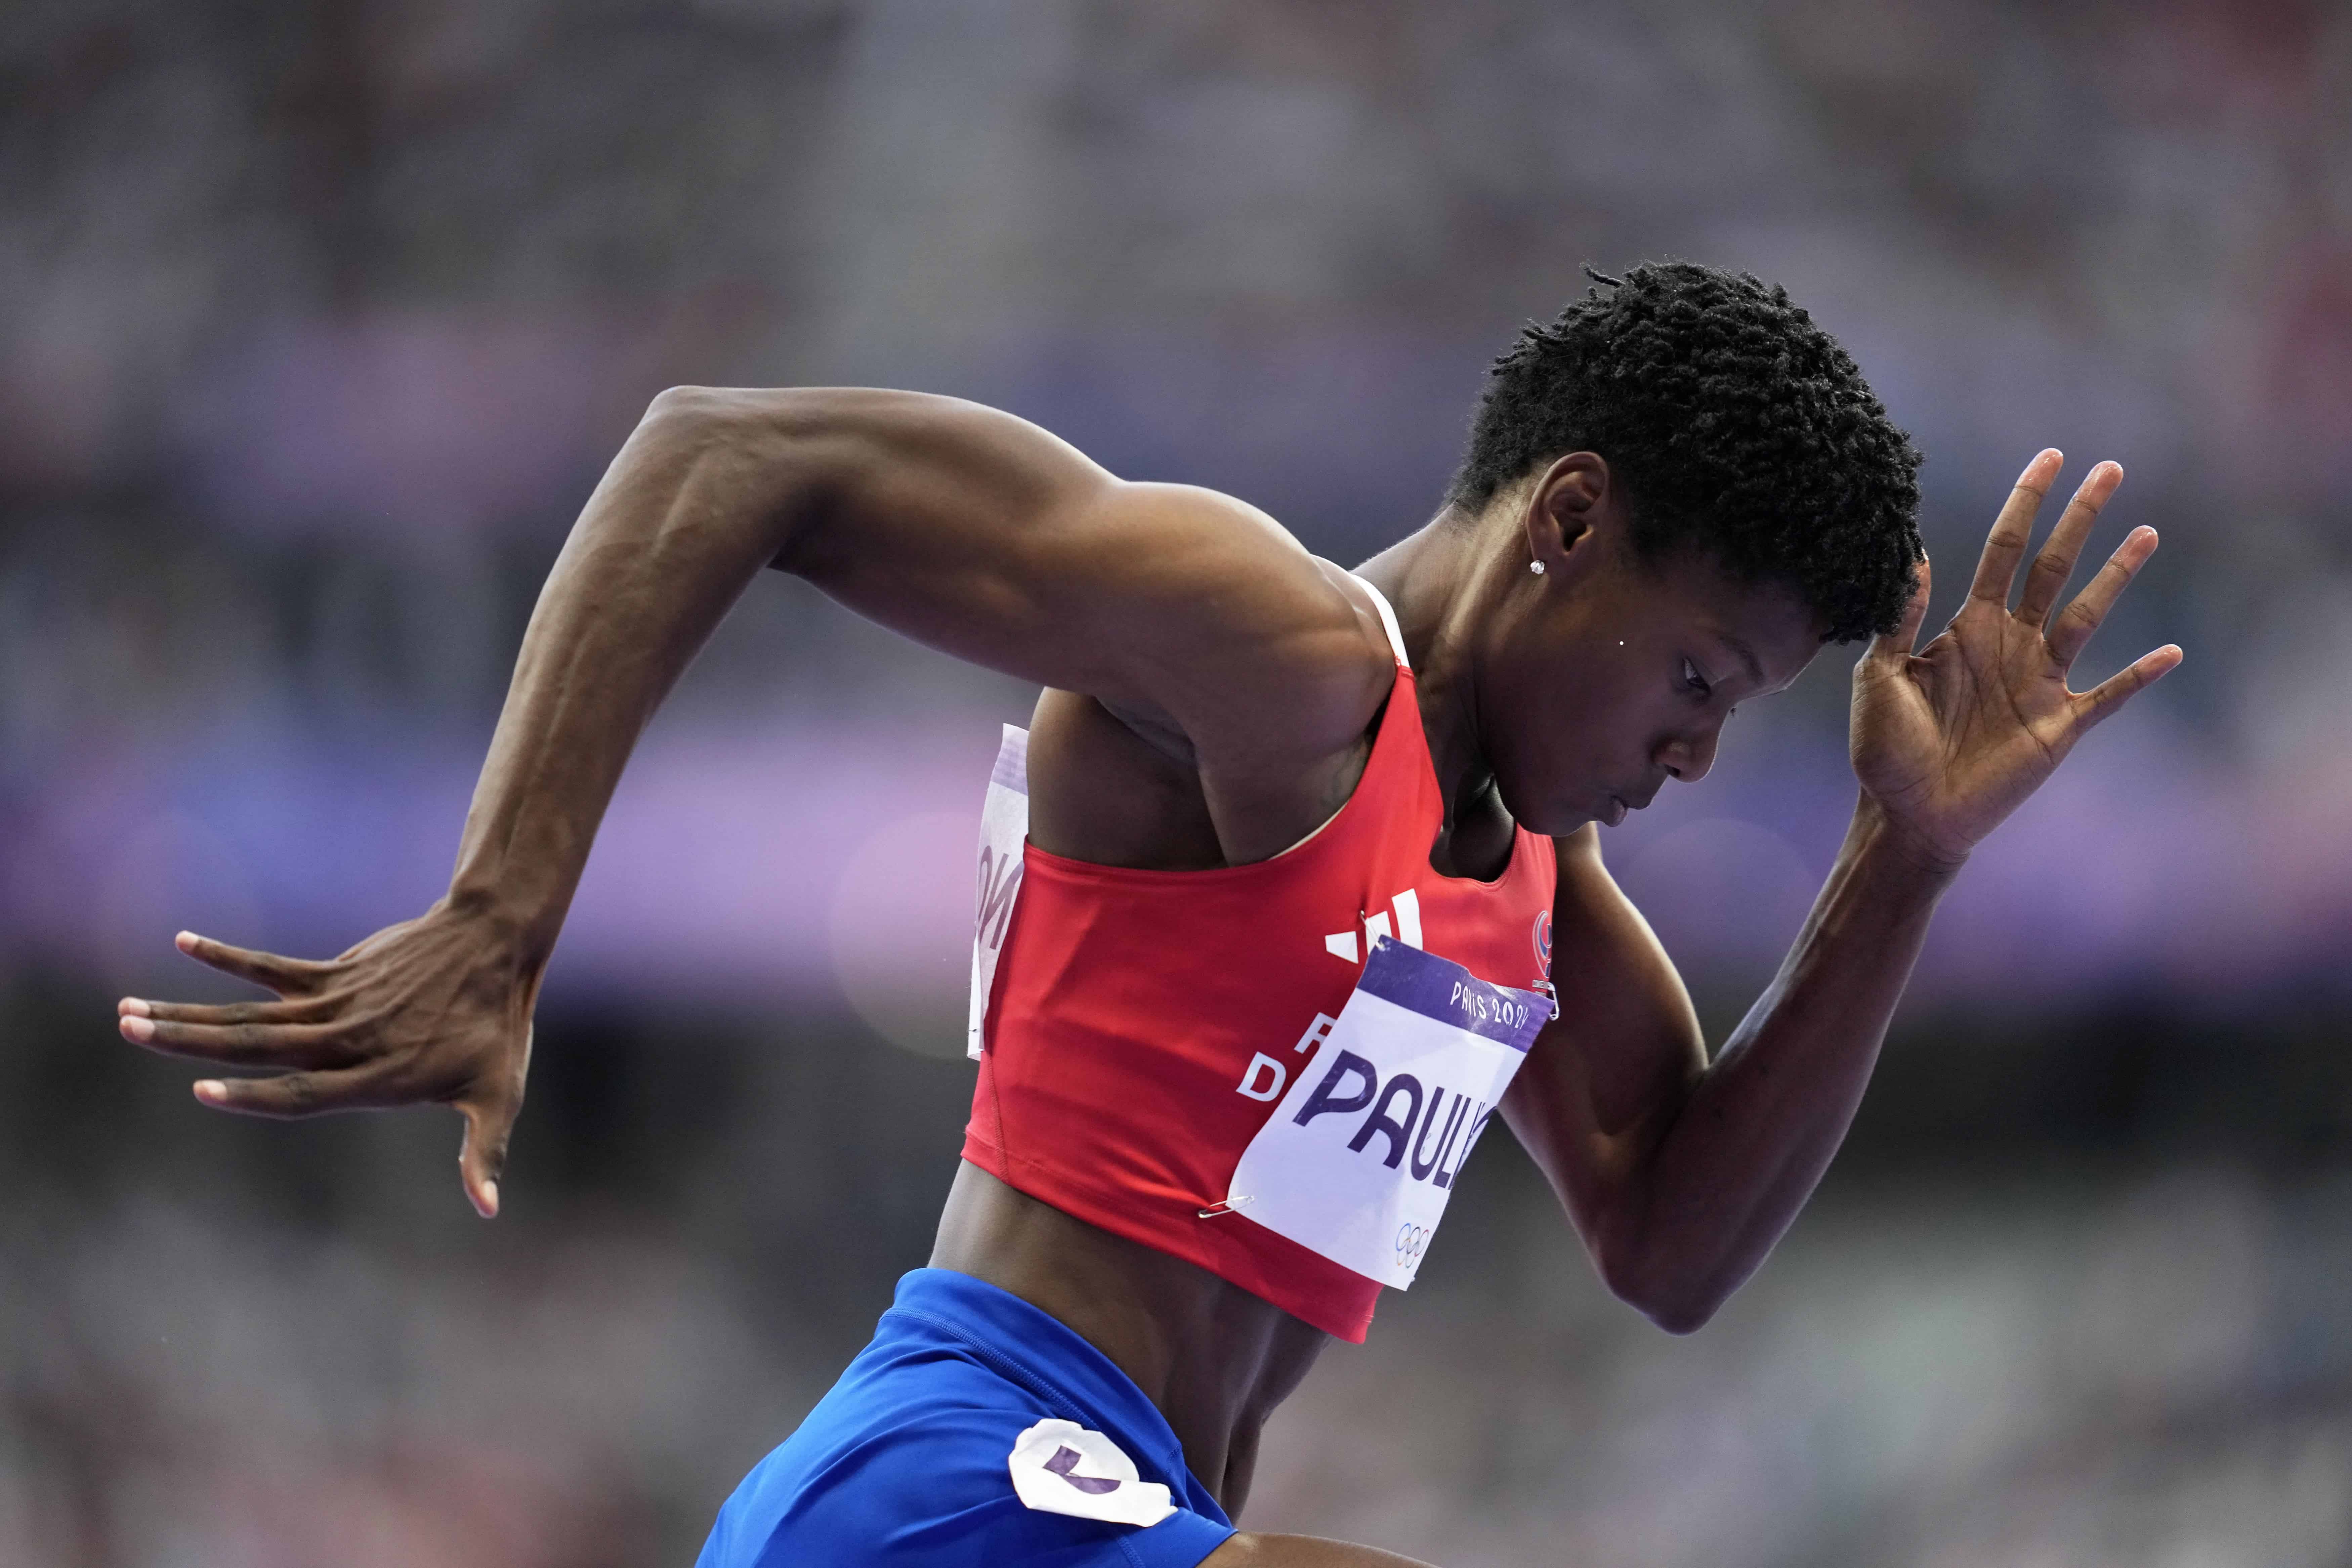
column 1259, row 648
column 1231, row 564
column 1585, row 900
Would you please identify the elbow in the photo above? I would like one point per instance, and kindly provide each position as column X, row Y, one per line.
column 807, row 449
column 800, row 411
column 749, row 459
column 1678, row 1312
column 1679, row 1317
column 674, row 402
column 695, row 414
column 742, row 412
column 1676, row 1295
column 684, row 423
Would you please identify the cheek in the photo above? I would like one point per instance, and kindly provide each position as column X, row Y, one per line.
column 1613, row 739
column 1578, row 741
column 1602, row 719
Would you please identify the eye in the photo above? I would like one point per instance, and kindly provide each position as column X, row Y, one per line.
column 1693, row 681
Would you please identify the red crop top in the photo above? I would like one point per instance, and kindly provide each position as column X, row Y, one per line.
column 1127, row 1020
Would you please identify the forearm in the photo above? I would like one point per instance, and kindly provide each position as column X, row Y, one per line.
column 683, row 521
column 1760, row 1126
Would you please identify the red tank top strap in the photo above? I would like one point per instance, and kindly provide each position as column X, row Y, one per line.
column 1388, row 621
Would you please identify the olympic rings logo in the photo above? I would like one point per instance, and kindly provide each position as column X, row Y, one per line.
column 1412, row 1241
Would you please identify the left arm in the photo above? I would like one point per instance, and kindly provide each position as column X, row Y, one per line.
column 1682, row 1173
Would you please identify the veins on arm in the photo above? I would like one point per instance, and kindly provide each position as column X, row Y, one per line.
column 1682, row 1173
column 1607, row 1082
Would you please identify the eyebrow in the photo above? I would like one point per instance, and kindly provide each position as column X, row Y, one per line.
column 1747, row 657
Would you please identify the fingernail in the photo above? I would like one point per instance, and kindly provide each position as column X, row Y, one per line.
column 186, row 942
column 132, row 1007
column 139, row 1029
column 211, row 1090
column 490, row 1196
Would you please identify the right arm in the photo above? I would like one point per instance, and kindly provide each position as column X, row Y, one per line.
column 964, row 528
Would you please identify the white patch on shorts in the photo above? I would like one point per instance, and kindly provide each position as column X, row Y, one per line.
column 1059, row 1466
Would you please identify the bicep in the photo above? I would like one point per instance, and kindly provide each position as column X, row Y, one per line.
column 1606, row 1078
column 979, row 534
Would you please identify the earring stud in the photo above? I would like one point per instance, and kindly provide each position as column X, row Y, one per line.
column 1536, row 567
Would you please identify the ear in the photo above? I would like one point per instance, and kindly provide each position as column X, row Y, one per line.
column 1564, row 510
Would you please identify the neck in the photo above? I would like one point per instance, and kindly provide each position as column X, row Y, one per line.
column 1436, row 580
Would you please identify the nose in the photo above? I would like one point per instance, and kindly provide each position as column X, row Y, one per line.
column 1688, row 757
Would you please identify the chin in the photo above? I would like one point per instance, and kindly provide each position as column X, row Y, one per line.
column 1555, row 812
column 1558, row 821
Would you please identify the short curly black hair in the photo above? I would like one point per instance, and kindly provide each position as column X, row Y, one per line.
column 1737, row 425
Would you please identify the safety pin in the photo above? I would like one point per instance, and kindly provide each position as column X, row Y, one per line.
column 1548, row 989
column 1224, row 1206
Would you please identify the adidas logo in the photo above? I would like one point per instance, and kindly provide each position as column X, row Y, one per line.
column 1407, row 905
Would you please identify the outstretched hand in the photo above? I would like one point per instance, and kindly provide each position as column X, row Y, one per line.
column 434, row 1010
column 1948, row 740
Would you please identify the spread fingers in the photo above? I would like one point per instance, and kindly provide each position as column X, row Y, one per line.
column 2126, row 684
column 2055, row 562
column 249, row 1041
column 2005, row 546
column 295, row 1094
column 2072, row 627
column 287, row 976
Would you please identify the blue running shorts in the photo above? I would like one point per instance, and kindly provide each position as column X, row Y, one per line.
column 975, row 1429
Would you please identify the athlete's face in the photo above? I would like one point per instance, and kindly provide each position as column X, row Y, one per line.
column 1608, row 676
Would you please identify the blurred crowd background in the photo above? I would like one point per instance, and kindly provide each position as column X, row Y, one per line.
column 318, row 324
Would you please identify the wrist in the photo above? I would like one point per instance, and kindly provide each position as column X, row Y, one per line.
column 502, row 922
column 1879, row 836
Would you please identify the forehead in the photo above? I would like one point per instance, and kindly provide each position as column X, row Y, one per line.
column 1764, row 626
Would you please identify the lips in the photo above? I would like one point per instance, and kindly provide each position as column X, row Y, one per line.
column 1619, row 806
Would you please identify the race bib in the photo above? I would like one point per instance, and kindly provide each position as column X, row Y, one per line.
column 1359, row 1158
column 1003, row 829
